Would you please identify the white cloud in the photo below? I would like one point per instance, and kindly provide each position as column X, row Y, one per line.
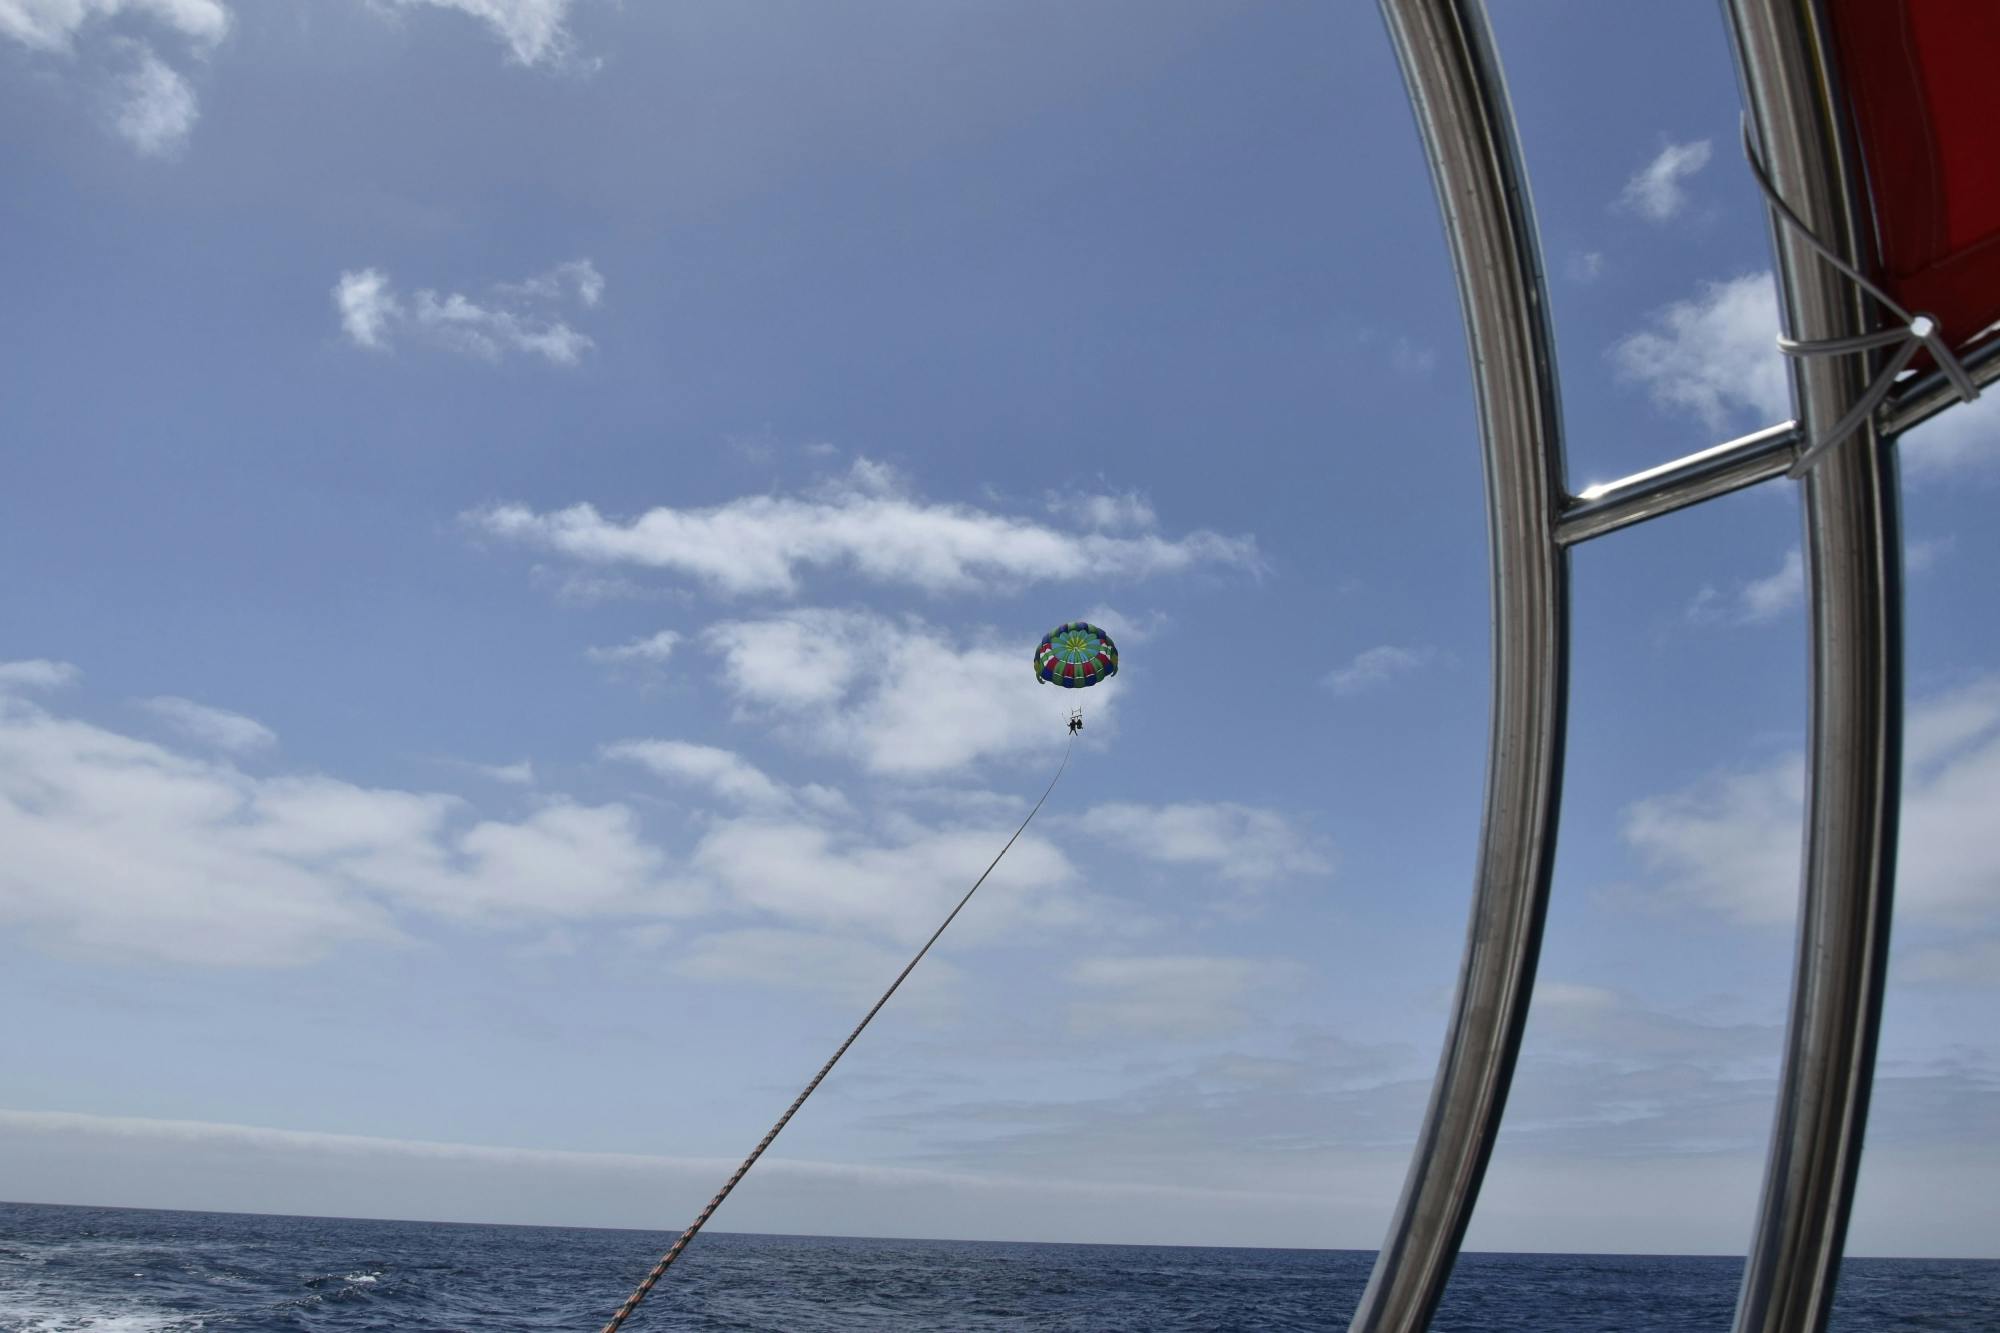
column 153, row 105
column 578, row 279
column 1963, row 438
column 216, row 727
column 1645, row 1116
column 809, row 875
column 120, row 846
column 1412, row 358
column 1716, row 355
column 831, row 679
column 1657, row 192
column 1730, row 843
column 537, row 868
column 1575, row 1021
column 654, row 649
column 1236, row 842
column 968, row 802
column 457, row 321
column 535, row 31
column 1182, row 997
column 1128, row 630
column 53, row 25
column 799, row 660
column 852, row 971
column 1376, row 666
column 1585, row 266
column 1950, row 862
column 575, row 588
column 1943, row 727
column 148, row 1162
column 521, row 773
column 157, row 108
column 1756, row 601
column 524, row 317
column 1604, row 1075
column 1920, row 557
column 1963, row 960
column 723, row 772
column 1128, row 511
column 367, row 306
column 36, row 673
column 1768, row 597
column 866, row 523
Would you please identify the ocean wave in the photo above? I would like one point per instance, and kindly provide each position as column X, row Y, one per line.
column 94, row 1270
column 50, row 1313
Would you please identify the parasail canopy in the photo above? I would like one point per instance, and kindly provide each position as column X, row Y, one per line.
column 1919, row 79
column 1076, row 654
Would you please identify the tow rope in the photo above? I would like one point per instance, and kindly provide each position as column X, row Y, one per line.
column 667, row 1259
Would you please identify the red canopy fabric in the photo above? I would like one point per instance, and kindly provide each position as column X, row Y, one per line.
column 1921, row 78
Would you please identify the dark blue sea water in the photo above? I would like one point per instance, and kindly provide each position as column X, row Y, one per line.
column 123, row 1270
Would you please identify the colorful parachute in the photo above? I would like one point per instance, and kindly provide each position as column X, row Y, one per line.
column 1075, row 655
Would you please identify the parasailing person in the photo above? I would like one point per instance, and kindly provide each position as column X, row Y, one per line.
column 1076, row 655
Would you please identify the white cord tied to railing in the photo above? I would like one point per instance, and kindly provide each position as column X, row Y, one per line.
column 1919, row 332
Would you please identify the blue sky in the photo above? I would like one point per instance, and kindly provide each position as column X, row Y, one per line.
column 525, row 525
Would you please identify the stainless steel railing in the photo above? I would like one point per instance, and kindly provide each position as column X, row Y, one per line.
column 1853, row 554
column 1462, row 112
column 1852, row 548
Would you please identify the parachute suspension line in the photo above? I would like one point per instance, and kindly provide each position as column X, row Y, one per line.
column 667, row 1259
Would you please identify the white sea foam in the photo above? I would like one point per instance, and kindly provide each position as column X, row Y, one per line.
column 35, row 1307
column 32, row 1316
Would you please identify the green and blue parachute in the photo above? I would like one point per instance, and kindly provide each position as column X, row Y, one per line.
column 1075, row 655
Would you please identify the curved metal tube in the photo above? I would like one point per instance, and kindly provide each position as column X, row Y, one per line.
column 1462, row 113
column 1852, row 560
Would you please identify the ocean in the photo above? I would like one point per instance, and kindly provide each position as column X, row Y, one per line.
column 128, row 1270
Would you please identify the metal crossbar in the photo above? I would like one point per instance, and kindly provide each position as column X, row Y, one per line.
column 1718, row 470
column 1852, row 559
column 1927, row 395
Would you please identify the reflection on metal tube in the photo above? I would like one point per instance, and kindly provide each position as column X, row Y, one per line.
column 1729, row 466
column 1462, row 113
column 1852, row 562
